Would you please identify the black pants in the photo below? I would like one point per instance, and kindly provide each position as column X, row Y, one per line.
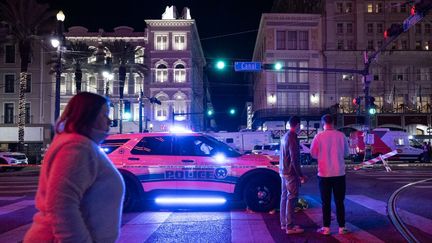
column 337, row 185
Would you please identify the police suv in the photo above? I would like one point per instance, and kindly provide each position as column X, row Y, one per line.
column 191, row 168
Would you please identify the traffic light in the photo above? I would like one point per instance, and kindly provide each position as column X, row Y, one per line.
column 210, row 113
column 372, row 106
column 232, row 111
column 154, row 100
column 357, row 101
column 278, row 66
column 127, row 110
column 394, row 30
column 220, row 65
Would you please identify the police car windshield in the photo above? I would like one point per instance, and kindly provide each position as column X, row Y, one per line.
column 223, row 148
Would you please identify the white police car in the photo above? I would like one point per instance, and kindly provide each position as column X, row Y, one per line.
column 191, row 168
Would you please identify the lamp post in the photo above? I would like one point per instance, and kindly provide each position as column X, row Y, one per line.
column 58, row 43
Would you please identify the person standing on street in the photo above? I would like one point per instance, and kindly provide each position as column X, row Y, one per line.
column 80, row 192
column 330, row 147
column 291, row 176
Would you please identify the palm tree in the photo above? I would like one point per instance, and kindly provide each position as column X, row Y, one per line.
column 124, row 59
column 76, row 58
column 27, row 21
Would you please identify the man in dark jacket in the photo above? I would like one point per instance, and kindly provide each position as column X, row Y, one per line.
column 291, row 176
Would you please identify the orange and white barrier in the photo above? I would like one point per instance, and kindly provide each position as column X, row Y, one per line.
column 379, row 158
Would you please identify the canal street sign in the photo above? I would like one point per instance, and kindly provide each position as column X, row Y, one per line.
column 247, row 66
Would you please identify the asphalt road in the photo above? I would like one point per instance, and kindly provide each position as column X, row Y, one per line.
column 368, row 191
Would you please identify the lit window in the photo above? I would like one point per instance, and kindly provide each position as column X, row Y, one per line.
column 161, row 42
column 139, row 55
column 179, row 42
column 136, row 111
column 369, row 8
column 426, row 45
column 161, row 73
column 63, row 85
column 347, row 77
column 179, row 73
column 138, row 84
column 180, row 106
column 161, row 111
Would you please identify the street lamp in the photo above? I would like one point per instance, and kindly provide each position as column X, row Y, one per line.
column 58, row 42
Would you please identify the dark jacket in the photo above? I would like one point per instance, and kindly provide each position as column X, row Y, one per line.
column 289, row 161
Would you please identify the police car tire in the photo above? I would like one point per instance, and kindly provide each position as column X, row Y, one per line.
column 132, row 195
column 251, row 190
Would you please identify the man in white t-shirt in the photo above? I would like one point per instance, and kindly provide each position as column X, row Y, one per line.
column 330, row 147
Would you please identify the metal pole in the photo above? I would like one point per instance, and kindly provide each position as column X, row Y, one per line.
column 57, row 85
column 140, row 112
column 121, row 115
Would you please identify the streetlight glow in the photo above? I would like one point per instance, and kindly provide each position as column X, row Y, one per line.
column 220, row 65
column 278, row 66
column 55, row 42
column 60, row 16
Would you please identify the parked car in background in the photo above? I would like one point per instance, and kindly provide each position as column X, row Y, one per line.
column 274, row 150
column 8, row 161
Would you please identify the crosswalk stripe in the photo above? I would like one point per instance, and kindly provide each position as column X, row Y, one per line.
column 15, row 235
column 25, row 186
column 142, row 226
column 15, row 206
column 248, row 227
column 10, row 198
column 17, row 192
column 357, row 234
column 419, row 222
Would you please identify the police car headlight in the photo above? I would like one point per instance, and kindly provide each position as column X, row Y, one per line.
column 219, row 157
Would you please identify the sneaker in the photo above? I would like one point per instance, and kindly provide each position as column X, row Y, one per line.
column 295, row 230
column 343, row 230
column 324, row 230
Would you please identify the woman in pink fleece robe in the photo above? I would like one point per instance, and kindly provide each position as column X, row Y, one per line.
column 80, row 193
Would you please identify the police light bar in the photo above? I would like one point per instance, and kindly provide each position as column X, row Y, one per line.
column 190, row 200
column 177, row 129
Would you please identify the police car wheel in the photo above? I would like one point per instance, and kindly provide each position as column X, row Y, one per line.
column 131, row 198
column 261, row 195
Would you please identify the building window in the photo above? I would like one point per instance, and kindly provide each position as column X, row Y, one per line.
column 136, row 111
column 349, row 28
column 369, row 28
column 418, row 29
column 27, row 113
column 303, row 75
column 161, row 42
column 370, row 45
column 8, row 113
column 369, row 7
column 92, row 87
column 138, row 84
column 280, row 75
column 418, row 45
column 404, row 44
column 340, row 44
column 347, row 77
column 161, row 73
column 303, row 100
column 281, row 99
column 348, row 7
column 398, row 74
column 180, row 106
column 303, row 40
column 9, row 83
column 339, row 28
column 350, row 45
column 179, row 42
column 280, row 40
column 28, row 83
column 63, row 85
column 139, row 55
column 292, row 40
column 403, row 8
column 380, row 27
column 379, row 8
column 161, row 111
column 9, row 53
column 394, row 7
column 427, row 28
column 426, row 45
column 292, row 74
column 339, row 7
column 179, row 73
column 379, row 43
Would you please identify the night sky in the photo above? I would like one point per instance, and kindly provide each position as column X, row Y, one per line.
column 227, row 29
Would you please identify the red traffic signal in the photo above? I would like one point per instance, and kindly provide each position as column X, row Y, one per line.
column 356, row 101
